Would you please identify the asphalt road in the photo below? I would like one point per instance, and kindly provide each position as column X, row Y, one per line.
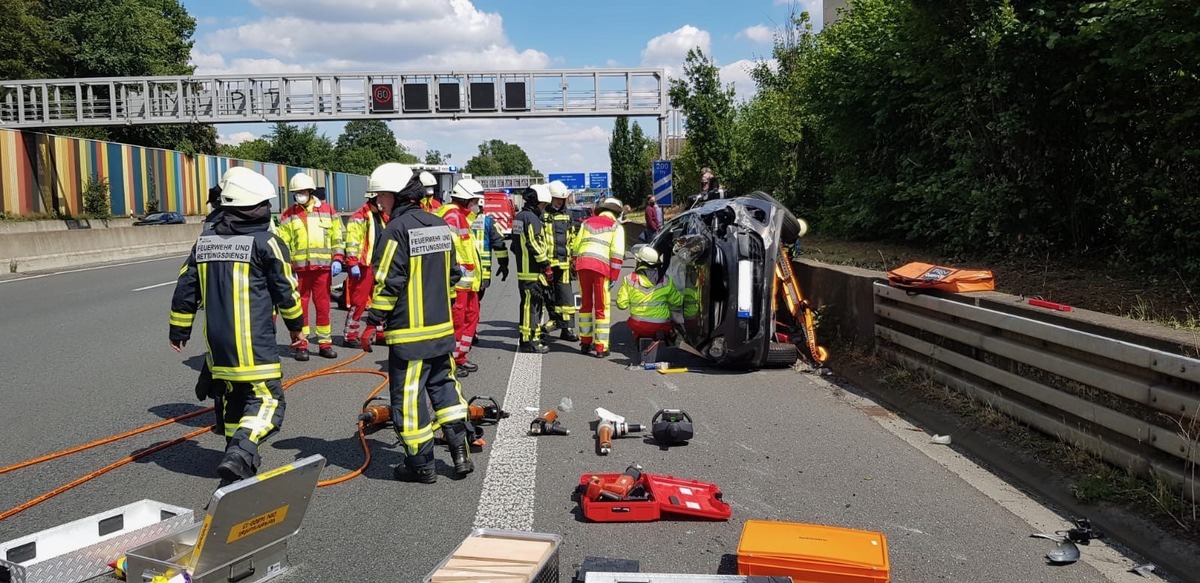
column 86, row 356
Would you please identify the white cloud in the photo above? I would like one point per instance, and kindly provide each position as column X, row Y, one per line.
column 670, row 49
column 738, row 73
column 814, row 8
column 759, row 33
column 415, row 146
column 235, row 138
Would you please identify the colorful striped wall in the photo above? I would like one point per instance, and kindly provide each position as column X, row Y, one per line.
column 41, row 174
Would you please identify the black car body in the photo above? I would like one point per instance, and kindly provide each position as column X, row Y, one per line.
column 168, row 218
column 721, row 256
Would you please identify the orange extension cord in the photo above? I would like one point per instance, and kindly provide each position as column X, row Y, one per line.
column 329, row 370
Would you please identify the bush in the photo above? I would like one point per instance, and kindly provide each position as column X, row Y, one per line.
column 96, row 204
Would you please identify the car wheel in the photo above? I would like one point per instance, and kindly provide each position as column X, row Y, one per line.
column 781, row 354
column 793, row 228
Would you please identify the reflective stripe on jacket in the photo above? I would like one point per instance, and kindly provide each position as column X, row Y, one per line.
column 241, row 280
column 414, row 281
column 314, row 236
column 562, row 229
column 363, row 230
column 465, row 248
column 600, row 246
column 647, row 301
column 531, row 244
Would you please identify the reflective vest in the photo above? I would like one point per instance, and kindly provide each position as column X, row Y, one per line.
column 465, row 248
column 531, row 245
column 488, row 241
column 600, row 246
column 363, row 230
column 414, row 281
column 647, row 301
column 314, row 236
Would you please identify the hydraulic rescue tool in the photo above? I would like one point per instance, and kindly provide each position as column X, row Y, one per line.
column 799, row 307
column 671, row 426
column 376, row 414
column 628, row 486
column 548, row 424
column 486, row 410
column 609, row 426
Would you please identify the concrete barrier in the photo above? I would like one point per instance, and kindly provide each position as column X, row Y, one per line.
column 36, row 251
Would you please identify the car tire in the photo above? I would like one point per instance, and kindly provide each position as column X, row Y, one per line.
column 781, row 354
column 793, row 228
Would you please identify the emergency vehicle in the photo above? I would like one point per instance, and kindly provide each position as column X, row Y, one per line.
column 447, row 176
column 502, row 208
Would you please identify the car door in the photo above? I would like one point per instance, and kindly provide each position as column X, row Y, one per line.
column 686, row 251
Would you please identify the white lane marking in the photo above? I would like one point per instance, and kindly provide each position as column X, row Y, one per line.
column 153, row 286
column 1111, row 564
column 3, row 281
column 508, row 488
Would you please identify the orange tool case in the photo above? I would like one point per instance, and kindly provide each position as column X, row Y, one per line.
column 812, row 553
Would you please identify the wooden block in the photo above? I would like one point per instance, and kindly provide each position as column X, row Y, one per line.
column 451, row 576
column 492, row 567
column 504, row 550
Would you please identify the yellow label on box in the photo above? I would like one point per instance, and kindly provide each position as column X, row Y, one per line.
column 257, row 524
column 274, row 472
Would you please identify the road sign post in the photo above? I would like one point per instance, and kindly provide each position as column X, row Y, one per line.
column 662, row 182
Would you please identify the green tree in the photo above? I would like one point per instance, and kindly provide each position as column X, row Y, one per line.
column 30, row 49
column 436, row 157
column 708, row 110
column 365, row 144
column 498, row 158
column 299, row 146
column 620, row 157
column 258, row 149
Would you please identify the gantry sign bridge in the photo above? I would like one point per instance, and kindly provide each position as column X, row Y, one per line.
column 106, row 101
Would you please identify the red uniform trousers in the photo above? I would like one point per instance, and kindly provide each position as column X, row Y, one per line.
column 593, row 311
column 358, row 300
column 314, row 284
column 466, row 321
column 642, row 329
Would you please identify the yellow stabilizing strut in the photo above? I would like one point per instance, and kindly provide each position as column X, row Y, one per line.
column 797, row 304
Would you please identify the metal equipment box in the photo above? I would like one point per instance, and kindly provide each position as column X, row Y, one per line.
column 82, row 549
column 244, row 534
column 499, row 564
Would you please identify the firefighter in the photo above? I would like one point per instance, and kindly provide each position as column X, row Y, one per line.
column 429, row 201
column 563, row 228
column 464, row 200
column 362, row 236
column 532, row 246
column 598, row 252
column 313, row 233
column 241, row 274
column 650, row 296
column 413, row 290
column 490, row 241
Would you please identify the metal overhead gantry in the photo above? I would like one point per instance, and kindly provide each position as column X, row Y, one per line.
column 106, row 101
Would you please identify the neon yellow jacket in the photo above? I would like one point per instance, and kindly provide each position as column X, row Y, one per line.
column 313, row 235
column 647, row 301
column 465, row 249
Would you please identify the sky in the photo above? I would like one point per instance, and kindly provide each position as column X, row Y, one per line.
column 328, row 36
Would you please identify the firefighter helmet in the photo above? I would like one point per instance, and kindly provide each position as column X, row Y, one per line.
column 467, row 189
column 558, row 189
column 647, row 255
column 390, row 177
column 537, row 193
column 610, row 204
column 427, row 180
column 242, row 188
column 301, row 182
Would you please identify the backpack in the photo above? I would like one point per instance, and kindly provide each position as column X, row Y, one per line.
column 926, row 276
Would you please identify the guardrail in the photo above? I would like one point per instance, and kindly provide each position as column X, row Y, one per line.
column 1135, row 406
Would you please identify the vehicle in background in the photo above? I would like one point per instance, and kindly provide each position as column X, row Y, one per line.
column 579, row 213
column 500, row 206
column 167, row 218
column 722, row 257
column 447, row 176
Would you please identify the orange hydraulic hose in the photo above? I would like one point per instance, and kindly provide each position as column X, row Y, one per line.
column 329, row 370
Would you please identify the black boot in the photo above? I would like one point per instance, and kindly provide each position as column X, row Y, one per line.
column 421, row 475
column 237, row 465
column 460, row 452
column 302, row 354
column 535, row 347
column 585, row 348
column 327, row 351
column 569, row 334
column 468, row 366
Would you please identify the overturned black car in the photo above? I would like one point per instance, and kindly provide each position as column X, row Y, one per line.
column 724, row 258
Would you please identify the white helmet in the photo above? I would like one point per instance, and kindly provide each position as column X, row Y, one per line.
column 242, row 187
column 647, row 255
column 540, row 191
column 467, row 189
column 610, row 204
column 558, row 189
column 427, row 179
column 301, row 182
column 390, row 177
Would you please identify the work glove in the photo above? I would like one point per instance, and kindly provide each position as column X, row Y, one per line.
column 204, row 383
column 484, row 285
column 503, row 272
column 368, row 337
column 336, row 269
column 548, row 273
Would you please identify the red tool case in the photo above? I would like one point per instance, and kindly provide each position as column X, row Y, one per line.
column 668, row 495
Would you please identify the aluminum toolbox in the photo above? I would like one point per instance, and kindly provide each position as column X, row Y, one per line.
column 244, row 534
column 678, row 578
column 546, row 572
column 82, row 549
